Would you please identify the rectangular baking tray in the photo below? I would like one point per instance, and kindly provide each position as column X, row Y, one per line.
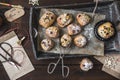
column 108, row 8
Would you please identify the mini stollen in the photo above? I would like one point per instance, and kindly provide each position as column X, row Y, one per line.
column 86, row 64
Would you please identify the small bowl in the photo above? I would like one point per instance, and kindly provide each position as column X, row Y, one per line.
column 96, row 31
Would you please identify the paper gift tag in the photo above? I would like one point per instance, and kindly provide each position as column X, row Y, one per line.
column 14, row 13
column 14, row 72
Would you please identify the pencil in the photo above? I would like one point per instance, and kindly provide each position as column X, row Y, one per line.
column 9, row 5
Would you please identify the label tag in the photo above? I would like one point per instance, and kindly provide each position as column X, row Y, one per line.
column 14, row 13
column 34, row 2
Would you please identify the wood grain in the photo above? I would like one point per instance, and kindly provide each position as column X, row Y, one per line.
column 40, row 72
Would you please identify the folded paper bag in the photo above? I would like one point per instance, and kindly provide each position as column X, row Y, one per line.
column 14, row 72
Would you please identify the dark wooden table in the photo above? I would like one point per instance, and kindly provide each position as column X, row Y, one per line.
column 40, row 72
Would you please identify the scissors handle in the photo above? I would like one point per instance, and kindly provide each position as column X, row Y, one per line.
column 5, row 50
column 65, row 68
column 10, row 55
column 51, row 69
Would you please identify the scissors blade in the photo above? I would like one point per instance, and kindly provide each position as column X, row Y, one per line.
column 6, row 60
column 15, row 62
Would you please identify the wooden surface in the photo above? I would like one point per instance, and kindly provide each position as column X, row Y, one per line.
column 40, row 72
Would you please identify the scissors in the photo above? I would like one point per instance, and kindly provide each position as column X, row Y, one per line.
column 10, row 59
column 51, row 69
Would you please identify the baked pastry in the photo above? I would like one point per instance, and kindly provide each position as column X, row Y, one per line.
column 80, row 41
column 86, row 64
column 83, row 19
column 64, row 19
column 1, row 21
column 47, row 44
column 73, row 29
column 47, row 19
column 66, row 40
column 106, row 30
column 52, row 32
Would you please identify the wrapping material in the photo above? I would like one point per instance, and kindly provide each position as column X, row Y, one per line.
column 15, row 72
column 93, row 47
column 111, row 64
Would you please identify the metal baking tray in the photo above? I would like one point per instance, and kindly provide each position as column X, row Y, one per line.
column 108, row 8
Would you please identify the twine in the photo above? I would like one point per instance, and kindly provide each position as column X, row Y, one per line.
column 96, row 5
